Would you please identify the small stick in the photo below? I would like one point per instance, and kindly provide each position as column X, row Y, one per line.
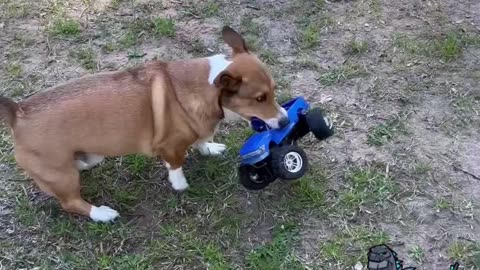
column 253, row 7
column 466, row 172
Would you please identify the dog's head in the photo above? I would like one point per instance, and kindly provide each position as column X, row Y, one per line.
column 247, row 87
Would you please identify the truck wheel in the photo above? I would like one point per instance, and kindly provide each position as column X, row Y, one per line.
column 255, row 178
column 289, row 162
column 320, row 125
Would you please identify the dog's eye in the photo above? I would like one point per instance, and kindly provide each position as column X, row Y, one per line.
column 262, row 98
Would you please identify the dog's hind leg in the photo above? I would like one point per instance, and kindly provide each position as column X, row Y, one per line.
column 62, row 181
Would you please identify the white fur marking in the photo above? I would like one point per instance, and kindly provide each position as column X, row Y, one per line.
column 177, row 179
column 211, row 148
column 274, row 122
column 103, row 214
column 217, row 63
column 90, row 161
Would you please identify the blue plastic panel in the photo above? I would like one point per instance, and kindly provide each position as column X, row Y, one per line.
column 256, row 148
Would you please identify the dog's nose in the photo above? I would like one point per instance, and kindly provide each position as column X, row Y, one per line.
column 284, row 121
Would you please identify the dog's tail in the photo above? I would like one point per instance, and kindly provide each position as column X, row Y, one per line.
column 8, row 109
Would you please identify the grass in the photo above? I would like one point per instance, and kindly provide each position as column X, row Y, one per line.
column 366, row 187
column 14, row 70
column 466, row 109
column 443, row 204
column 269, row 57
column 376, row 7
column 276, row 255
column 87, row 57
column 416, row 253
column 356, row 47
column 163, row 27
column 65, row 27
column 341, row 74
column 447, row 46
column 251, row 31
column 310, row 36
column 137, row 164
column 467, row 253
column 387, row 131
column 210, row 9
column 16, row 10
column 309, row 192
column 350, row 246
column 141, row 29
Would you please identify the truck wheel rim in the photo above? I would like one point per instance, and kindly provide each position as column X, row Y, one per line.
column 293, row 162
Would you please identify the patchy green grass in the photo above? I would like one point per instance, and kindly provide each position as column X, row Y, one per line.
column 341, row 74
column 138, row 164
column 16, row 10
column 355, row 47
column 197, row 48
column 383, row 133
column 376, row 7
column 128, row 39
column 14, row 70
column 26, row 213
column 164, row 27
column 422, row 168
column 251, row 31
column 269, row 57
column 65, row 27
column 447, row 46
column 416, row 253
column 87, row 57
column 310, row 36
column 276, row 255
column 366, row 187
column 306, row 62
column 309, row 191
column 467, row 253
column 443, row 204
column 466, row 110
column 210, row 9
column 348, row 247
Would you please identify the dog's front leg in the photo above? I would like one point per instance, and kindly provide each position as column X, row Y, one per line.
column 174, row 160
column 211, row 148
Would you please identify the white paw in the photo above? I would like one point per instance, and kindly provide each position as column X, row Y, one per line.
column 82, row 165
column 103, row 214
column 177, row 179
column 212, row 149
column 88, row 161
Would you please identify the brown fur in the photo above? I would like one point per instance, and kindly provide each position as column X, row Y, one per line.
column 8, row 110
column 159, row 109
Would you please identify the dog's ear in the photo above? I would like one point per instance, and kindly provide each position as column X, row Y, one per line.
column 234, row 40
column 226, row 81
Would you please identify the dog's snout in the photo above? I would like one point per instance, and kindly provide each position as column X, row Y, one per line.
column 284, row 121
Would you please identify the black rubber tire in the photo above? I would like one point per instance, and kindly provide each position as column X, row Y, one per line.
column 381, row 258
column 279, row 165
column 264, row 176
column 317, row 124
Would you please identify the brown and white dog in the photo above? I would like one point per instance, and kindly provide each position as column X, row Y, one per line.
column 159, row 109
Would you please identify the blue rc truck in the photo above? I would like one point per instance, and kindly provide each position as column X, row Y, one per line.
column 273, row 153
